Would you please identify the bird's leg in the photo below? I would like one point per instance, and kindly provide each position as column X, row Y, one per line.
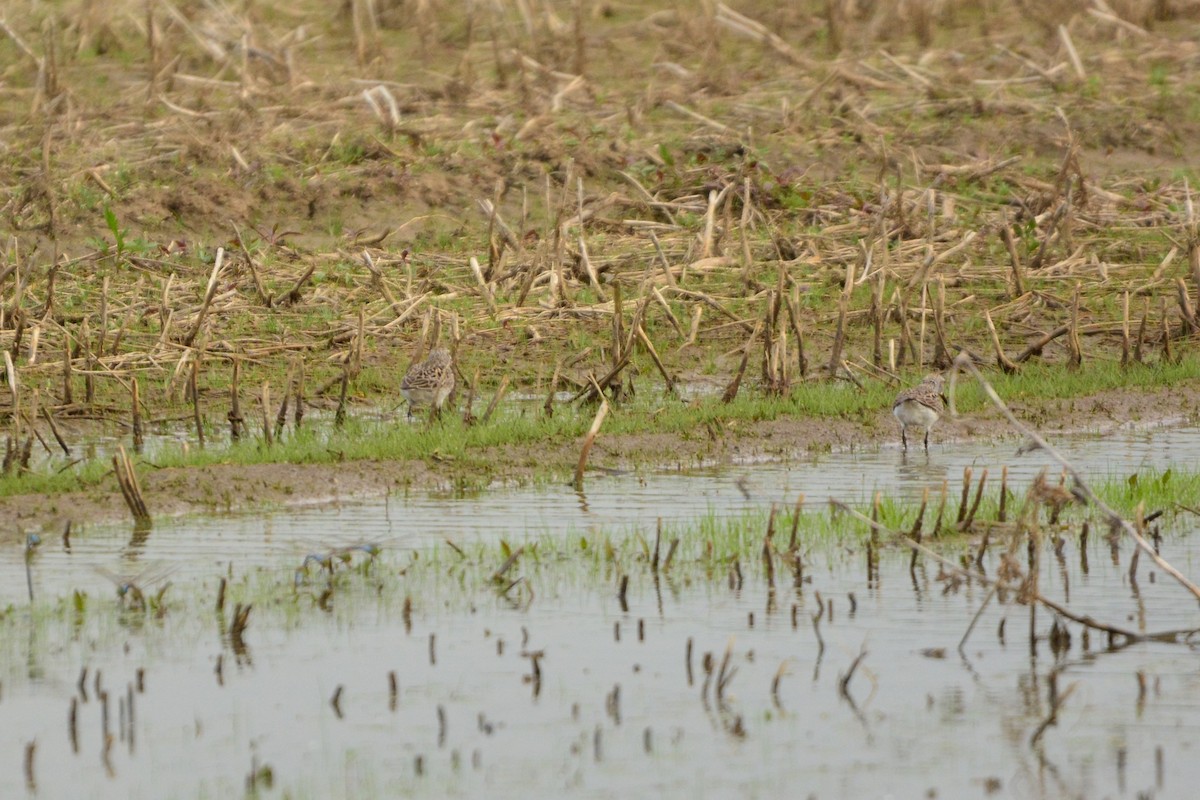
column 927, row 440
column 903, row 438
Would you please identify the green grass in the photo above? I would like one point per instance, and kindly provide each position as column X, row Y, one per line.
column 465, row 447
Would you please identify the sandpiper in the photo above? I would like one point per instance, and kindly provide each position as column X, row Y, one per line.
column 920, row 406
column 430, row 382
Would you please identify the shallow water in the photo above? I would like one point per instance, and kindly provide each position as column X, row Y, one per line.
column 610, row 502
column 917, row 716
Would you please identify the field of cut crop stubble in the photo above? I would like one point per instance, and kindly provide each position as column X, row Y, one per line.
column 835, row 190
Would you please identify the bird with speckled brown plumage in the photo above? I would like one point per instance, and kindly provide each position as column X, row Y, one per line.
column 430, row 382
column 920, row 406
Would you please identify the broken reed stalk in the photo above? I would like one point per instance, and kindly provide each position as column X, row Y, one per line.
column 339, row 416
column 1141, row 334
column 666, row 563
column 844, row 682
column 496, row 398
column 268, row 434
column 32, row 422
column 498, row 575
column 1125, row 354
column 618, row 323
column 194, row 389
column 966, row 523
column 657, row 546
column 1014, row 258
column 906, row 343
column 1076, row 359
column 298, row 413
column 798, row 332
column 796, row 512
column 85, row 345
column 768, row 546
column 963, row 362
column 601, row 413
column 1185, row 305
column 485, row 289
column 295, row 294
column 67, row 397
column 236, row 423
column 1002, row 360
column 649, row 345
column 209, row 293
column 548, row 406
column 774, row 365
column 747, row 257
column 131, row 490
column 941, row 355
column 10, row 371
column 966, row 494
column 731, row 391
column 1166, row 332
column 877, row 316
column 839, row 336
column 469, row 406
column 103, row 315
column 1002, row 512
column 138, row 434
column 45, row 411
column 281, row 415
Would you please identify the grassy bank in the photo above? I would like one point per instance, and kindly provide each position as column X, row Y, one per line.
column 525, row 433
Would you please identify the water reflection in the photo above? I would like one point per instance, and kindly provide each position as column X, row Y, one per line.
column 610, row 501
column 845, row 689
column 921, row 469
column 526, row 678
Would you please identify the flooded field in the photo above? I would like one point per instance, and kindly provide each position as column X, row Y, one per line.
column 436, row 668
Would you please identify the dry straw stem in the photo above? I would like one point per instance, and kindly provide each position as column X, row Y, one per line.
column 209, row 294
column 670, row 382
column 131, row 490
column 496, row 398
column 590, row 439
column 963, row 362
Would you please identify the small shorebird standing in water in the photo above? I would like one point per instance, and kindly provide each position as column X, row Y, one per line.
column 430, row 382
column 919, row 407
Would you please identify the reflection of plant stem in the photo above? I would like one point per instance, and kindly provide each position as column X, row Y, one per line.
column 31, row 541
column 1052, row 718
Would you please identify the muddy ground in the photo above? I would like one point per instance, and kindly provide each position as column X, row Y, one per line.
column 231, row 488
